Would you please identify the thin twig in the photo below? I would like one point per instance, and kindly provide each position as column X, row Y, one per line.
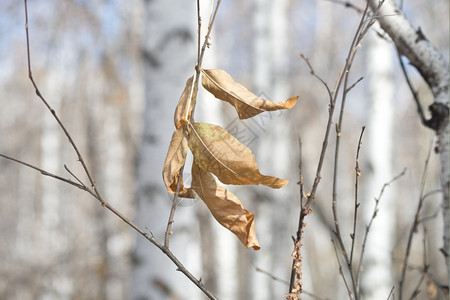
column 278, row 279
column 391, row 293
column 313, row 73
column 354, row 84
column 374, row 214
column 426, row 267
column 73, row 175
column 348, row 5
column 271, row 276
column 357, row 174
column 415, row 223
column 46, row 173
column 361, row 32
column 295, row 284
column 172, row 210
column 208, row 34
column 199, row 27
column 412, row 89
column 341, row 270
column 53, row 112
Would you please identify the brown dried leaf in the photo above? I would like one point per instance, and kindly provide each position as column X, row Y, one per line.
column 432, row 289
column 247, row 104
column 225, row 207
column 175, row 159
column 217, row 151
column 185, row 104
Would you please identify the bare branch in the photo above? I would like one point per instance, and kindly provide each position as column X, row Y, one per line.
column 415, row 223
column 46, row 173
column 357, row 174
column 374, row 214
column 53, row 112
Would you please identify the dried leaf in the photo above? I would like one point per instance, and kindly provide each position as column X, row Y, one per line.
column 220, row 153
column 247, row 104
column 185, row 104
column 432, row 290
column 225, row 207
column 175, row 159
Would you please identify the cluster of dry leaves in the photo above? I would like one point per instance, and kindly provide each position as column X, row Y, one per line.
column 216, row 151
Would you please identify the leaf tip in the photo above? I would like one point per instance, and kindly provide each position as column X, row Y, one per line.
column 291, row 102
column 256, row 247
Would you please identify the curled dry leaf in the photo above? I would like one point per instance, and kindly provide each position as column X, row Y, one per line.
column 225, row 207
column 175, row 159
column 247, row 104
column 217, row 151
column 185, row 104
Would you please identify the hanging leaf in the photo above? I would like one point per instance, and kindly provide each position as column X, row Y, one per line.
column 225, row 207
column 217, row 151
column 247, row 104
column 175, row 159
column 185, row 104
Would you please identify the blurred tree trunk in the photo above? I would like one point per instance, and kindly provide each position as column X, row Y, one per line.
column 271, row 81
column 433, row 66
column 169, row 52
column 377, row 278
column 219, row 246
column 261, row 82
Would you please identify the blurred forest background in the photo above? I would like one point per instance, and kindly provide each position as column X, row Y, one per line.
column 114, row 71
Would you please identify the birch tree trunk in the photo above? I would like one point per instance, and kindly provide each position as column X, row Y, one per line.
column 377, row 277
column 262, row 285
column 271, row 80
column 433, row 67
column 169, row 55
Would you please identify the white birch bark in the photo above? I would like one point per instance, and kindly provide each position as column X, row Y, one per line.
column 169, row 55
column 262, row 286
column 433, row 67
column 270, row 80
column 377, row 278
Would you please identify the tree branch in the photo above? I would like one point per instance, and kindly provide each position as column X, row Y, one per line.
column 433, row 67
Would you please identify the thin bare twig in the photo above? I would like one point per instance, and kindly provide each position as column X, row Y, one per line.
column 172, row 210
column 278, row 279
column 412, row 89
column 354, row 84
column 374, row 214
column 363, row 27
column 357, row 174
column 271, row 276
column 46, row 173
column 53, row 112
column 415, row 223
column 295, row 284
column 348, row 5
column 341, row 270
column 391, row 293
column 426, row 267
column 73, row 175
